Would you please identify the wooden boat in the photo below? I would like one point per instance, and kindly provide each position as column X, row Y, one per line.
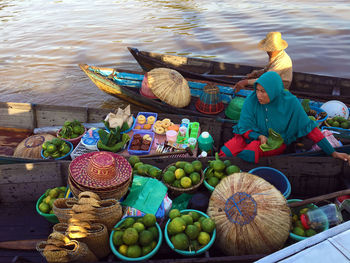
column 22, row 184
column 304, row 85
column 20, row 120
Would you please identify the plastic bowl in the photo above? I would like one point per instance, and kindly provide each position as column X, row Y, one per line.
column 149, row 255
column 208, row 186
column 335, row 108
column 291, row 234
column 49, row 217
column 319, row 110
column 64, row 157
column 185, row 252
column 74, row 141
column 274, row 177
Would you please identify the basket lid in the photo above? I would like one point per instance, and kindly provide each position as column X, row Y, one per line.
column 100, row 170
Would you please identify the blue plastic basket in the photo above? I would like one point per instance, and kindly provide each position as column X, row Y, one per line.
column 124, row 258
column 64, row 157
column 141, row 152
column 274, row 177
column 146, row 114
column 184, row 252
column 319, row 110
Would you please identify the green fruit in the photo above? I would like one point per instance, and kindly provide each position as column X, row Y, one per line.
column 180, row 164
column 218, row 165
column 133, row 159
column 188, row 168
column 177, row 225
column 194, row 215
column 299, row 231
column 128, row 222
column 213, row 181
column 174, row 213
column 51, row 148
column 154, row 172
column 146, row 238
column 345, row 125
column 203, row 238
column 134, row 251
column 180, row 241
column 139, row 226
column 56, row 141
column 192, row 231
column 149, row 220
column 195, row 177
column 227, row 163
column 185, row 182
column 335, row 124
column 188, row 219
column 44, row 207
column 172, row 168
column 177, row 184
column 310, row 232
column 219, row 175
column 146, row 250
column 44, row 145
column 169, row 177
column 154, row 231
column 232, row 169
column 137, row 165
column 130, row 236
column 142, row 170
column 197, row 165
column 208, row 225
column 118, row 238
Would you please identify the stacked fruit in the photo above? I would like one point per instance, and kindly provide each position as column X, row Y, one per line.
column 55, row 148
column 183, row 174
column 338, row 121
column 136, row 237
column 140, row 168
column 189, row 231
column 219, row 169
column 71, row 130
column 49, row 198
column 298, row 227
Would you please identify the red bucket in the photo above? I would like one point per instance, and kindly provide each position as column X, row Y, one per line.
column 145, row 90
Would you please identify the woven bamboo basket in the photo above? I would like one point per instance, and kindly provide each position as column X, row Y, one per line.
column 97, row 238
column 177, row 191
column 169, row 86
column 74, row 251
column 31, row 147
column 109, row 213
column 251, row 215
column 62, row 210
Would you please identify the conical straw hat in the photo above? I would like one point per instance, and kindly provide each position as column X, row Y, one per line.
column 169, row 86
column 251, row 215
column 273, row 42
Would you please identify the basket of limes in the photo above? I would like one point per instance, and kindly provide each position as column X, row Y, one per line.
column 338, row 122
column 72, row 131
column 45, row 202
column 299, row 232
column 183, row 177
column 56, row 149
column 189, row 232
column 136, row 238
column 218, row 170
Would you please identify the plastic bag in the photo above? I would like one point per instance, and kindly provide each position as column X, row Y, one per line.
column 274, row 141
column 330, row 137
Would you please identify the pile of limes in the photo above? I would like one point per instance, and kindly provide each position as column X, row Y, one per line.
column 219, row 169
column 140, row 168
column 50, row 196
column 55, row 148
column 136, row 237
column 338, row 121
column 298, row 228
column 71, row 130
column 189, row 230
column 183, row 174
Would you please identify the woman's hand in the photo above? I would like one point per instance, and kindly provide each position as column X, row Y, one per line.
column 342, row 156
column 240, row 85
column 262, row 139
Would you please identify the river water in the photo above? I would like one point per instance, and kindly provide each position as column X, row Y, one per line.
column 42, row 42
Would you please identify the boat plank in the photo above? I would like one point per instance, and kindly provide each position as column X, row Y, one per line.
column 16, row 115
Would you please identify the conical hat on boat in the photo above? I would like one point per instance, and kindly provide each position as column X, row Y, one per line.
column 251, row 215
column 169, row 86
column 100, row 170
column 31, row 147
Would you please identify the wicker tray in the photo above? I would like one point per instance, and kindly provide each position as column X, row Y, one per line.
column 177, row 191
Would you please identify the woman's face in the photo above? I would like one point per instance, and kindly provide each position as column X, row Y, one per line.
column 263, row 98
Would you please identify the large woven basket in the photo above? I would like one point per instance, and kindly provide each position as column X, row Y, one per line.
column 62, row 210
column 175, row 191
column 251, row 215
column 31, row 147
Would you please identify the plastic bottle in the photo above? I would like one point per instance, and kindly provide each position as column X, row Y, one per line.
column 203, row 155
column 205, row 142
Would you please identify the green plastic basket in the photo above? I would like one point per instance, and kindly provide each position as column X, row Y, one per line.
column 50, row 217
column 124, row 258
column 291, row 234
column 185, row 252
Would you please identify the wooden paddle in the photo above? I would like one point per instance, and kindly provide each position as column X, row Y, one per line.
column 29, row 244
column 320, row 198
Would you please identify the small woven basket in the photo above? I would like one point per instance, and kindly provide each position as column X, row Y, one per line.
column 109, row 213
column 62, row 210
column 177, row 191
column 210, row 101
column 74, row 251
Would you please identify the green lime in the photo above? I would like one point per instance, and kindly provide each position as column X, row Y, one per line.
column 310, row 232
column 213, row 181
column 51, row 148
column 45, row 144
column 169, row 177
column 154, row 172
column 232, row 169
column 335, row 124
column 118, row 238
column 139, row 226
column 192, row 231
column 195, row 177
column 227, row 163
column 208, row 225
column 149, row 220
column 180, row 164
column 137, row 165
column 128, row 222
column 299, row 231
column 134, row 251
column 172, row 168
column 133, row 159
column 194, row 215
column 44, row 207
column 130, row 236
column 174, row 213
column 186, row 182
column 203, row 238
column 179, row 173
column 188, row 168
column 146, row 250
column 197, row 165
column 56, row 141
column 154, row 231
column 188, row 219
column 345, row 125
column 123, row 249
column 180, row 241
column 177, row 225
column 146, row 238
